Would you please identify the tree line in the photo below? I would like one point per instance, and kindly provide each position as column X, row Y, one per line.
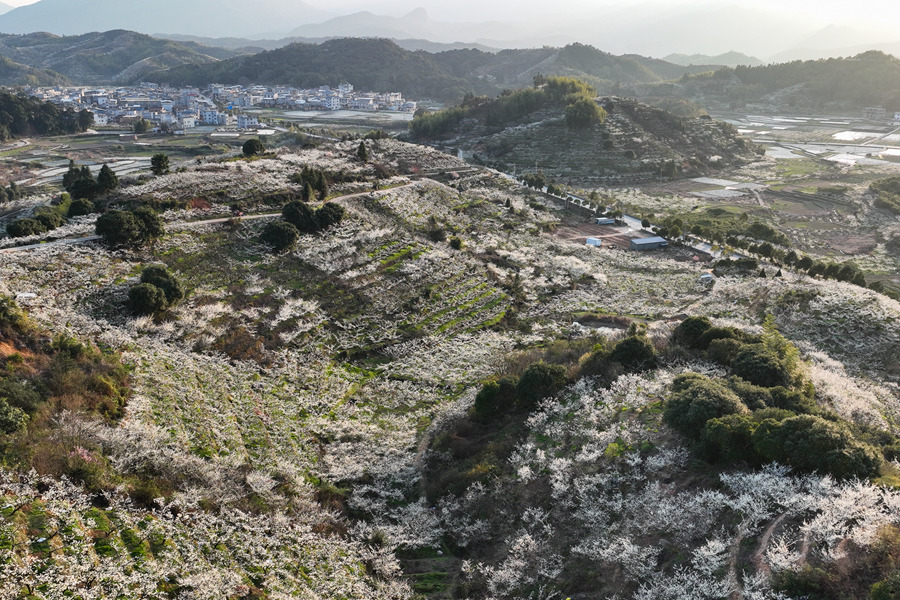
column 577, row 97
column 22, row 116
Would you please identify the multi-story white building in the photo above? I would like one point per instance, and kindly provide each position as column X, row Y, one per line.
column 247, row 122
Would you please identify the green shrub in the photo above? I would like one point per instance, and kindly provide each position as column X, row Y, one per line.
column 25, row 227
column 759, row 366
column 80, row 207
column 49, row 218
column 697, row 399
column 301, row 216
column 495, row 397
column 146, row 299
column 160, row 276
column 12, row 419
column 280, row 235
column 539, row 381
column 754, row 396
column 809, row 443
column 886, row 589
column 690, row 330
column 719, row 333
column 20, row 396
column 723, row 350
column 635, row 353
column 252, row 147
column 329, row 214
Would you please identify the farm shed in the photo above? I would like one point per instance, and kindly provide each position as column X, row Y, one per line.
column 653, row 243
column 593, row 241
column 604, row 221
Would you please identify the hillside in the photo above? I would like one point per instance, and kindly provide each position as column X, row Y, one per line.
column 111, row 56
column 369, row 64
column 635, row 143
column 447, row 75
column 443, row 395
column 867, row 79
column 15, row 74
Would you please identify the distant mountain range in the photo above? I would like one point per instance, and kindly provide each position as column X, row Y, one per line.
column 382, row 65
column 728, row 59
column 111, row 56
column 5, row 8
column 252, row 46
column 645, row 27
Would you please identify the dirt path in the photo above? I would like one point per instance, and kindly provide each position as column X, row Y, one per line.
column 185, row 224
column 759, row 556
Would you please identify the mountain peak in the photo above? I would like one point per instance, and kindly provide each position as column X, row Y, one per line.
column 417, row 14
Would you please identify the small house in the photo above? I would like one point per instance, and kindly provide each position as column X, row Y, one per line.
column 653, row 243
column 593, row 241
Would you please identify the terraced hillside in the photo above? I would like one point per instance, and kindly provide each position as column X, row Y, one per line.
column 441, row 396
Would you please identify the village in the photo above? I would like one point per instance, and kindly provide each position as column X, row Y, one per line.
column 180, row 109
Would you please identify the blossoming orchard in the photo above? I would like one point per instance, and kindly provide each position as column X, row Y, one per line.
column 376, row 412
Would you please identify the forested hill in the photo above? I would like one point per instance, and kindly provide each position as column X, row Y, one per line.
column 110, row 56
column 13, row 73
column 868, row 79
column 382, row 65
column 582, row 139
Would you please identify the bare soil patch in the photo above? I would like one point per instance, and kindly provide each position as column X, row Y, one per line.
column 612, row 236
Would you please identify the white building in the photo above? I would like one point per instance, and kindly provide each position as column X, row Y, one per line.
column 247, row 122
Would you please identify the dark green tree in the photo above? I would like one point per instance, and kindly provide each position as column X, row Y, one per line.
column 149, row 223
column 80, row 207
column 689, row 331
column 495, row 397
column 146, row 299
column 107, row 180
column 159, row 163
column 119, row 228
column 159, row 276
column 252, row 147
column 330, row 214
column 281, row 235
column 760, row 366
column 539, row 381
column 84, row 187
column 300, row 216
column 85, row 120
column 584, row 113
column 71, row 175
column 635, row 353
column 362, row 152
column 697, row 399
column 141, row 126
column 25, row 227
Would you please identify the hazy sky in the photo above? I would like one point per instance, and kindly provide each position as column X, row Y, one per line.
column 874, row 13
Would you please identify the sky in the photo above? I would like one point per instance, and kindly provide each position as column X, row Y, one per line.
column 838, row 11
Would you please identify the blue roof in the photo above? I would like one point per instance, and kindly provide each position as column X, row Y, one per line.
column 653, row 240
